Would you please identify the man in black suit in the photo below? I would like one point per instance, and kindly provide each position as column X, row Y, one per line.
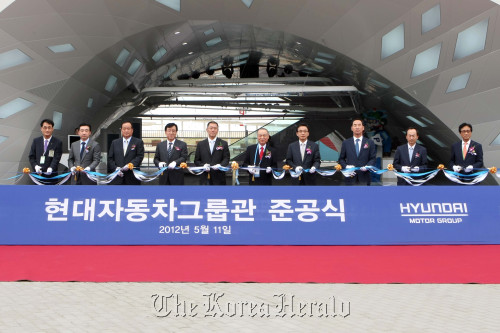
column 303, row 154
column 212, row 151
column 358, row 152
column 410, row 157
column 466, row 155
column 85, row 153
column 171, row 153
column 261, row 155
column 46, row 151
column 123, row 151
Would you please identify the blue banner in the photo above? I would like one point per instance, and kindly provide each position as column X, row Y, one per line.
column 249, row 215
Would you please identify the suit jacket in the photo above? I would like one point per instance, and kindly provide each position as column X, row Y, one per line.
column 294, row 159
column 220, row 156
column 270, row 159
column 179, row 155
column 402, row 158
column 91, row 158
column 134, row 155
column 473, row 157
column 367, row 156
column 52, row 154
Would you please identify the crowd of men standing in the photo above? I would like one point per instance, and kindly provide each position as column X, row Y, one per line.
column 303, row 156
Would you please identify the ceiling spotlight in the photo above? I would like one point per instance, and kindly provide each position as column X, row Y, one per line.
column 183, row 77
column 228, row 71
column 210, row 71
column 195, row 75
column 227, row 67
column 272, row 66
column 288, row 69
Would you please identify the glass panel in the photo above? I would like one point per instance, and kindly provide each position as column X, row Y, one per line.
column 13, row 107
column 426, row 61
column 111, row 83
column 13, row 58
column 431, row 19
column 159, row 54
column 393, row 41
column 471, row 40
column 458, row 82
column 61, row 48
column 122, row 57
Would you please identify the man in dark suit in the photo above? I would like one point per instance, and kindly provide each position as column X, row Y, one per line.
column 171, row 153
column 212, row 151
column 410, row 157
column 46, row 151
column 302, row 155
column 358, row 152
column 123, row 151
column 261, row 155
column 466, row 155
column 85, row 153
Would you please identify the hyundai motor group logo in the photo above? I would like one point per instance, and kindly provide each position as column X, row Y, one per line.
column 434, row 212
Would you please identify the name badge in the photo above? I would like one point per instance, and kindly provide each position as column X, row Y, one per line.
column 51, row 153
column 42, row 160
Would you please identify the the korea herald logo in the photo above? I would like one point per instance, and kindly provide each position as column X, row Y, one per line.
column 434, row 212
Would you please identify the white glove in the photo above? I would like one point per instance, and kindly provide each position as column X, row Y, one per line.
column 269, row 170
column 72, row 170
column 38, row 169
column 363, row 169
column 49, row 171
column 469, row 168
column 312, row 170
column 415, row 169
column 217, row 166
column 120, row 173
column 125, row 168
column 254, row 171
column 172, row 165
column 349, row 166
column 162, row 165
column 87, row 169
column 298, row 169
column 405, row 169
column 207, row 167
column 457, row 168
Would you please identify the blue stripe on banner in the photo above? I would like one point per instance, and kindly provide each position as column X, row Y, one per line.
column 249, row 215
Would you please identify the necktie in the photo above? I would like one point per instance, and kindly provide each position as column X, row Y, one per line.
column 302, row 150
column 464, row 151
column 169, row 150
column 82, row 150
column 125, row 146
column 410, row 151
column 45, row 145
column 357, row 147
column 261, row 154
column 212, row 146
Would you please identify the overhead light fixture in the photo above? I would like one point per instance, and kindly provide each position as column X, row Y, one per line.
column 210, row 71
column 183, row 77
column 227, row 67
column 61, row 48
column 191, row 52
column 195, row 75
column 177, row 32
column 17, row 105
column 13, row 58
column 174, row 4
column 185, row 43
column 288, row 69
column 272, row 66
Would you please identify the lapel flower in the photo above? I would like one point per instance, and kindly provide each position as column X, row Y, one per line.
column 177, row 148
column 132, row 147
column 365, row 146
column 417, row 155
column 268, row 154
column 308, row 151
column 219, row 148
column 472, row 150
column 87, row 149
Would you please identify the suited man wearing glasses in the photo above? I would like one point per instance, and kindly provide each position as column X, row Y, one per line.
column 171, row 153
column 85, row 153
column 127, row 149
column 261, row 155
column 466, row 155
column 46, row 151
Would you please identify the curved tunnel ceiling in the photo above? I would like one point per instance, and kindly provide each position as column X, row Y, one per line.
column 336, row 39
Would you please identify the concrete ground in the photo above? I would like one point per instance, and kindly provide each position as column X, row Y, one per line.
column 247, row 307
